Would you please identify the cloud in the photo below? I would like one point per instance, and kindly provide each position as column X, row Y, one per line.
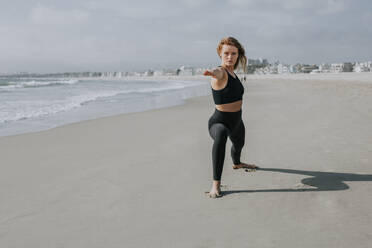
column 48, row 15
column 313, row 6
column 197, row 3
column 106, row 34
column 333, row 7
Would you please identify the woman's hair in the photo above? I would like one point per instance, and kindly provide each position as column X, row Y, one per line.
column 242, row 60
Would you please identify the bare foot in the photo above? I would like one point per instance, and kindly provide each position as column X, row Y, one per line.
column 246, row 166
column 215, row 190
column 214, row 193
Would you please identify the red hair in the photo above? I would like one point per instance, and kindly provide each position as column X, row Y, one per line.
column 242, row 59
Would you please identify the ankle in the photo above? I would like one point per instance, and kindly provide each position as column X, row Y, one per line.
column 216, row 183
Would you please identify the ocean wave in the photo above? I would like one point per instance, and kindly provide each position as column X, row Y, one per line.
column 33, row 83
column 20, row 110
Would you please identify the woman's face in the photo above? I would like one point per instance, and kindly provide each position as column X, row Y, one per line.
column 229, row 55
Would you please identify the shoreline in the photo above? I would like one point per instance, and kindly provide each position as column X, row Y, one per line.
column 352, row 78
column 184, row 101
column 119, row 115
column 91, row 111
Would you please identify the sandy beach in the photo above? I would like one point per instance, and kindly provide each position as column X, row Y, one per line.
column 138, row 179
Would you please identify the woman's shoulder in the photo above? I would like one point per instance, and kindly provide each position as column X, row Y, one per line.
column 219, row 83
column 225, row 74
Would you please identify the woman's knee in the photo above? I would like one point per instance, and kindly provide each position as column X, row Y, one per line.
column 219, row 132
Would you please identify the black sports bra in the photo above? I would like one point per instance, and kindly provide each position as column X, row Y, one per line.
column 232, row 92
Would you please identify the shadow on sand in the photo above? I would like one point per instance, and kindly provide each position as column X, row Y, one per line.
column 322, row 181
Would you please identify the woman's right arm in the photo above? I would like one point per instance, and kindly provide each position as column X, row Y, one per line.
column 216, row 73
column 218, row 76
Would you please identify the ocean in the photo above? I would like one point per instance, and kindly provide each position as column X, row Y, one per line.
column 36, row 104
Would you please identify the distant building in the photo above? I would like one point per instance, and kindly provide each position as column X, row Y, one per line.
column 272, row 69
column 258, row 61
column 308, row 68
column 121, row 74
column 159, row 73
column 347, row 67
column 170, row 72
column 362, row 67
column 296, row 68
column 283, row 69
column 341, row 67
column 149, row 73
column 324, row 67
column 185, row 71
column 315, row 71
column 336, row 67
column 107, row 74
column 256, row 65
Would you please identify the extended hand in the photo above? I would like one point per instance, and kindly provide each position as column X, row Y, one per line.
column 215, row 73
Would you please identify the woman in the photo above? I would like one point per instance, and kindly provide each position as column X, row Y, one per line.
column 227, row 119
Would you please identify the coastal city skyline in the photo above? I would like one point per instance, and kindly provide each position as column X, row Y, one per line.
column 254, row 66
column 54, row 36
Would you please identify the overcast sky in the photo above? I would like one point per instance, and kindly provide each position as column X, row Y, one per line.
column 79, row 35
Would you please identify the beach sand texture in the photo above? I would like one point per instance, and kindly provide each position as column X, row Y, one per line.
column 138, row 180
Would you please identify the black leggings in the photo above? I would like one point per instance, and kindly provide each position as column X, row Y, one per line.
column 222, row 125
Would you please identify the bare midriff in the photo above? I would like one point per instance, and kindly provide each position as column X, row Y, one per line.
column 230, row 107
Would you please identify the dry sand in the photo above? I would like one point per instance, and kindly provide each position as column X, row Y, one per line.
column 137, row 180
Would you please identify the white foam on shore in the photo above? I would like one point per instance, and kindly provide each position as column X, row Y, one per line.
column 33, row 83
column 23, row 109
column 20, row 110
column 23, row 116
